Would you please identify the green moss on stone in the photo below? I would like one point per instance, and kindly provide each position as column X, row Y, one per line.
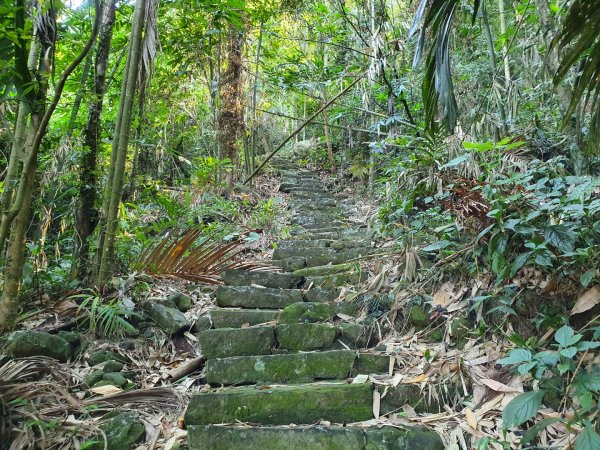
column 299, row 404
column 225, row 342
column 307, row 312
column 306, row 336
column 418, row 317
column 233, row 318
column 329, row 269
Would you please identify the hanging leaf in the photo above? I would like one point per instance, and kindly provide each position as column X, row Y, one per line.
column 561, row 237
column 522, row 408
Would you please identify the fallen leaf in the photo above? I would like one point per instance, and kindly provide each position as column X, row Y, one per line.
column 587, row 301
column 444, row 296
column 376, row 403
column 497, row 386
column 417, row 379
column 105, row 390
column 471, row 418
column 360, row 379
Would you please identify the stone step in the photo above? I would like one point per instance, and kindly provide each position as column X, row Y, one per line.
column 237, row 318
column 256, row 297
column 289, row 368
column 316, row 437
column 321, row 256
column 313, row 312
column 295, row 367
column 239, row 277
column 288, row 337
column 283, row 405
column 336, row 280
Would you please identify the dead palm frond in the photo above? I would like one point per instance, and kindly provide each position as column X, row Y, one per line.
column 175, row 256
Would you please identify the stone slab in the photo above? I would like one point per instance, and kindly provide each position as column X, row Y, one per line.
column 282, row 405
column 256, row 298
column 290, row 368
column 237, row 318
column 225, row 342
column 306, row 336
column 238, row 277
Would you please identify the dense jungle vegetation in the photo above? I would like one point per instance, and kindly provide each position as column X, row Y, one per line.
column 467, row 132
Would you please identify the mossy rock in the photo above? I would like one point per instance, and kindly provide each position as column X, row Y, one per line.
column 122, row 432
column 92, row 378
column 182, row 301
column 203, row 323
column 113, row 366
column 306, row 336
column 101, row 356
column 233, row 318
column 115, row 378
column 329, row 269
column 225, row 342
column 285, row 368
column 238, row 277
column 256, row 298
column 418, row 317
column 307, row 312
column 371, row 363
column 170, row 320
column 336, row 280
column 22, row 344
column 279, row 405
column 321, row 295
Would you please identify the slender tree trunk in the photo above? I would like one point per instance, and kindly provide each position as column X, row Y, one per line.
column 15, row 219
column 231, row 115
column 86, row 216
column 114, row 190
column 492, row 52
column 253, row 129
column 328, row 142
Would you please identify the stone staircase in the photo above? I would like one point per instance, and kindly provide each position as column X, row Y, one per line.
column 282, row 351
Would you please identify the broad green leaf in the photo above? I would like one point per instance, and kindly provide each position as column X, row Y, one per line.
column 436, row 246
column 548, row 358
column 590, row 381
column 478, row 146
column 522, row 408
column 456, row 161
column 588, row 439
column 569, row 352
column 519, row 262
column 561, row 237
column 525, row 368
column 516, row 356
column 566, row 337
column 587, row 277
column 587, row 345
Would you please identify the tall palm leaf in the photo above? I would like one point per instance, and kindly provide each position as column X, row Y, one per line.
column 579, row 37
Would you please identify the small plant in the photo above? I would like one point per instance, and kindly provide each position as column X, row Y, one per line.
column 105, row 317
column 582, row 393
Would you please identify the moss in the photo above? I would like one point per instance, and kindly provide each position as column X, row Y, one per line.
column 329, row 269
column 226, row 342
column 371, row 363
column 279, row 405
column 296, row 367
column 337, row 280
column 306, row 336
column 354, row 335
column 307, row 312
column 418, row 317
column 252, row 297
column 233, row 318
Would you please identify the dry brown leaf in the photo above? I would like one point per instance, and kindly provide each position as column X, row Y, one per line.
column 346, row 317
column 105, row 390
column 444, row 296
column 376, row 403
column 587, row 301
column 471, row 418
column 417, row 379
column 497, row 386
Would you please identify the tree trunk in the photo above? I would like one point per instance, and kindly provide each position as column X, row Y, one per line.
column 231, row 115
column 86, row 216
column 114, row 187
column 328, row 142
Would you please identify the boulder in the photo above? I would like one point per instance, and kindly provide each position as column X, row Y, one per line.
column 122, row 432
column 182, row 301
column 22, row 344
column 170, row 320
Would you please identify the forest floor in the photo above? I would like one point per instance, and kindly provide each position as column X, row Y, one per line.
column 153, row 370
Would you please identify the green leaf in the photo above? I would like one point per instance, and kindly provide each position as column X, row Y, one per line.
column 519, row 262
column 548, row 358
column 561, row 237
column 569, row 352
column 436, row 246
column 587, row 277
column 587, row 345
column 456, row 161
column 566, row 337
column 478, row 146
column 534, row 430
column 522, row 408
column 516, row 356
column 588, row 439
column 590, row 381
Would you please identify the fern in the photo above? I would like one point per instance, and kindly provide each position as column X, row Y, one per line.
column 107, row 318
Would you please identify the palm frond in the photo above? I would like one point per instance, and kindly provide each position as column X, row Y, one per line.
column 175, row 255
column 579, row 37
column 437, row 87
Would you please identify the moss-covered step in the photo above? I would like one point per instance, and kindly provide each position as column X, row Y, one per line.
column 327, row 269
column 306, row 336
column 290, row 368
column 236, row 318
column 227, row 437
column 312, row 312
column 371, row 363
column 336, row 280
column 282, row 405
column 238, row 277
column 254, row 297
column 225, row 342
column 321, row 257
column 421, row 401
